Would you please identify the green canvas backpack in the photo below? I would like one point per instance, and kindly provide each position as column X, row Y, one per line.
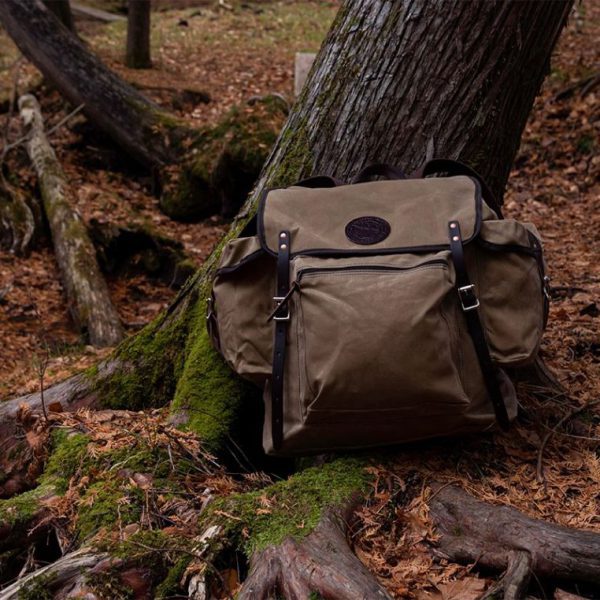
column 382, row 311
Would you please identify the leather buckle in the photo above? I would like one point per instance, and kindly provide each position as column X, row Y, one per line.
column 468, row 298
column 279, row 303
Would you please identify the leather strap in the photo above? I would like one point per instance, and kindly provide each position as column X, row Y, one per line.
column 469, row 304
column 319, row 181
column 281, row 317
column 380, row 170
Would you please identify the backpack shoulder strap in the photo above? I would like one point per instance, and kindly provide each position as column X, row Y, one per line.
column 453, row 167
column 319, row 181
column 381, row 170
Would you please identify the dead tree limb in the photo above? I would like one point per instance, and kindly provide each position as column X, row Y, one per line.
column 85, row 287
column 503, row 539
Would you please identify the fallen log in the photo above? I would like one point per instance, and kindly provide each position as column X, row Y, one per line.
column 85, row 287
column 95, row 13
column 501, row 538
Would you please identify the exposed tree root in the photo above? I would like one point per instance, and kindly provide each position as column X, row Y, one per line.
column 25, row 520
column 16, row 454
column 515, row 581
column 62, row 576
column 503, row 539
column 321, row 563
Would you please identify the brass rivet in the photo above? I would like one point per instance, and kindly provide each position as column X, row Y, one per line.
column 282, row 235
column 455, row 238
column 283, row 246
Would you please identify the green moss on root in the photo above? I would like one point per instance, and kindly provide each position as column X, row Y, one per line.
column 104, row 504
column 287, row 508
column 171, row 585
column 68, row 456
column 149, row 365
column 37, row 589
column 22, row 508
column 208, row 394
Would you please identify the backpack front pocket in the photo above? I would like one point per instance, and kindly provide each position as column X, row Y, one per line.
column 376, row 338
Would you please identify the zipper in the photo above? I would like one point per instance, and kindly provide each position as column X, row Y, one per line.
column 367, row 268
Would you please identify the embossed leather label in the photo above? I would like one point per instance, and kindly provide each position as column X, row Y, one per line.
column 367, row 230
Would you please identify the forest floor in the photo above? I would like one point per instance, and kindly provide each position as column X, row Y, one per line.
column 555, row 184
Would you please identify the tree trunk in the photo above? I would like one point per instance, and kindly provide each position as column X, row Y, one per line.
column 138, row 35
column 148, row 133
column 86, row 290
column 62, row 10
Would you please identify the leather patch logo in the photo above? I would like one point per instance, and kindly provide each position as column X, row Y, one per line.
column 367, row 230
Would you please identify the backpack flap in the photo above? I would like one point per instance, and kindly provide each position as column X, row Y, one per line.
column 383, row 217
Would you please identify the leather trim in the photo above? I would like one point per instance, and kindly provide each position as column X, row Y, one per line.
column 474, row 326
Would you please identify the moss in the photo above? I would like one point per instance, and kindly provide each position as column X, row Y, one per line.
column 22, row 508
column 171, row 584
column 293, row 507
column 106, row 503
column 150, row 363
column 37, row 589
column 67, row 457
column 296, row 159
column 207, row 393
column 225, row 161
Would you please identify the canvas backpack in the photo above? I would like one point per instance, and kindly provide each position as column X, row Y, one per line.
column 382, row 311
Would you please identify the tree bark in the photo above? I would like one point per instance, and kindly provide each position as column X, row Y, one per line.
column 86, row 289
column 396, row 81
column 502, row 538
column 321, row 564
column 148, row 133
column 138, row 35
column 60, row 576
column 62, row 10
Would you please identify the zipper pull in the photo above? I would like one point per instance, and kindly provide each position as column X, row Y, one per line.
column 283, row 301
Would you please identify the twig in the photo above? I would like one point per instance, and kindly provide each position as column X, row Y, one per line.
column 587, row 84
column 567, row 417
